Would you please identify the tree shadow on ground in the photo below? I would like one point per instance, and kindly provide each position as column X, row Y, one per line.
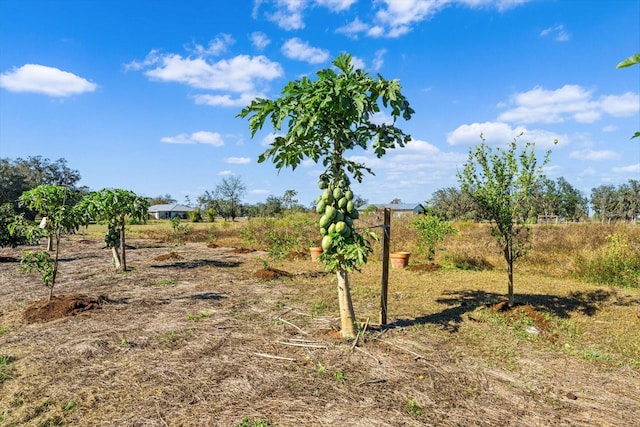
column 199, row 263
column 461, row 302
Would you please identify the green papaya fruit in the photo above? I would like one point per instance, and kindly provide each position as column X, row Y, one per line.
column 331, row 229
column 326, row 242
column 350, row 207
column 324, row 221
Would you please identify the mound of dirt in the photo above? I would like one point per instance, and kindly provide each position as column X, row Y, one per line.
column 242, row 250
column 59, row 307
column 540, row 322
column 167, row 257
column 424, row 267
column 271, row 274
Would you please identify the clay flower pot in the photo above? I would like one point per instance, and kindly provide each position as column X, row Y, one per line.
column 399, row 259
column 315, row 252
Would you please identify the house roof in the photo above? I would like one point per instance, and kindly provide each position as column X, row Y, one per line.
column 175, row 207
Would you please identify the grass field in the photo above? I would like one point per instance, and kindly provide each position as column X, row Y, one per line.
column 198, row 338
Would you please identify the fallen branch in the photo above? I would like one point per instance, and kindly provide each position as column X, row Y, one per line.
column 269, row 356
column 297, row 344
column 370, row 355
column 417, row 356
column 291, row 324
column 376, row 381
column 360, row 332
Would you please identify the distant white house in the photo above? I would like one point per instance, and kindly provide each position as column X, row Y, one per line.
column 397, row 209
column 169, row 211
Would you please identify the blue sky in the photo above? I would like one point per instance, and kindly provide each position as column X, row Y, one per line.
column 143, row 95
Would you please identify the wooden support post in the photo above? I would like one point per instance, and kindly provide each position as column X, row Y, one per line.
column 386, row 237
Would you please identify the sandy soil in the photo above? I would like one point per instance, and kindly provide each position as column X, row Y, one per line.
column 206, row 338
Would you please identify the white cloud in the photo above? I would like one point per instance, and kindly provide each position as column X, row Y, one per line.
column 225, row 173
column 609, row 128
column 353, row 28
column 378, row 59
column 216, row 46
column 259, row 192
column 557, row 33
column 499, row 134
column 201, row 137
column 297, row 49
column 381, row 117
column 50, row 81
column 260, row 40
column 336, row 5
column 418, row 164
column 594, row 155
column 239, row 74
column 570, row 102
column 635, row 168
column 395, row 18
column 357, row 63
column 399, row 16
column 237, row 160
column 226, row 100
column 623, row 105
column 269, row 139
column 287, row 14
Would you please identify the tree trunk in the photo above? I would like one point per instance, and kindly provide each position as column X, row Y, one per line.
column 55, row 265
column 50, row 243
column 122, row 247
column 116, row 257
column 508, row 255
column 347, row 316
column 511, row 297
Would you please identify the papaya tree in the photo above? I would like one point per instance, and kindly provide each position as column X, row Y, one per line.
column 502, row 183
column 55, row 204
column 113, row 207
column 324, row 119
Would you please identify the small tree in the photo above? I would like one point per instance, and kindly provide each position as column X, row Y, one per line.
column 226, row 198
column 324, row 119
column 431, row 232
column 53, row 202
column 288, row 199
column 502, row 184
column 113, row 207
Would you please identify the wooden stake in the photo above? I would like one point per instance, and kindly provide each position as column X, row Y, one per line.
column 386, row 238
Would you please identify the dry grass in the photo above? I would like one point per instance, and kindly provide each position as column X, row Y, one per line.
column 183, row 342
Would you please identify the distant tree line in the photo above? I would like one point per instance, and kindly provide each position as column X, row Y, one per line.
column 607, row 202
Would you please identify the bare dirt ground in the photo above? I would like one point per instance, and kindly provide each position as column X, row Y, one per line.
column 204, row 338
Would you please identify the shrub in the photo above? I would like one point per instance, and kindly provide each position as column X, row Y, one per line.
column 618, row 263
column 431, row 232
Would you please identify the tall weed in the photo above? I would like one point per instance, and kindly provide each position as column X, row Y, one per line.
column 617, row 263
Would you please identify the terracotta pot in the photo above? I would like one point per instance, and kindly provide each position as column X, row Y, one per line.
column 399, row 259
column 315, row 252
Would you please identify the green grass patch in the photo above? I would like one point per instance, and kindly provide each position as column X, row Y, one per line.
column 6, row 368
column 199, row 316
column 163, row 283
column 253, row 422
